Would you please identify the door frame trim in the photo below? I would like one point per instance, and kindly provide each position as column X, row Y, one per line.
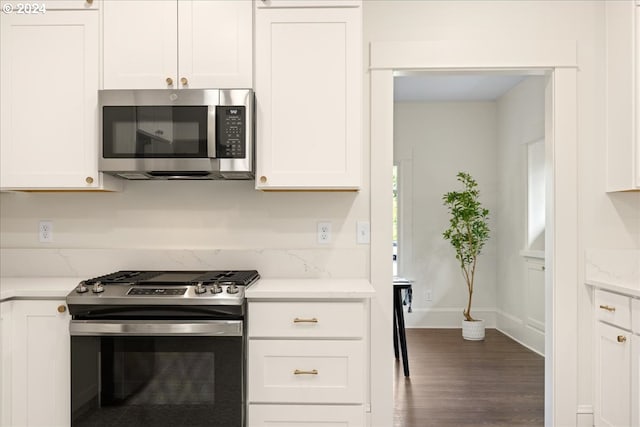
column 558, row 61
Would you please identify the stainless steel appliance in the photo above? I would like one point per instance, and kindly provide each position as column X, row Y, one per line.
column 159, row 348
column 177, row 134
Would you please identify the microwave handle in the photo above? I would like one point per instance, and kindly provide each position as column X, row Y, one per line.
column 212, row 328
column 211, row 132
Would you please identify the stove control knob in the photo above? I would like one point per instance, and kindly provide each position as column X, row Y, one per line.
column 82, row 288
column 216, row 288
column 232, row 289
column 200, row 289
column 97, row 288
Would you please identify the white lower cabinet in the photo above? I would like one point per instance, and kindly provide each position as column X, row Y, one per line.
column 305, row 415
column 5, row 368
column 635, row 363
column 35, row 363
column 307, row 363
column 614, row 367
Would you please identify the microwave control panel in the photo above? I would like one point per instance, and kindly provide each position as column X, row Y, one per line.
column 231, row 132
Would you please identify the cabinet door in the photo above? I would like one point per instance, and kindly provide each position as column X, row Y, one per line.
column 613, row 377
column 635, row 380
column 308, row 95
column 621, row 77
column 215, row 44
column 5, row 362
column 300, row 415
column 40, row 364
column 48, row 100
column 140, row 42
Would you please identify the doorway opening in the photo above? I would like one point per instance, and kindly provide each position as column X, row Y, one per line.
column 484, row 124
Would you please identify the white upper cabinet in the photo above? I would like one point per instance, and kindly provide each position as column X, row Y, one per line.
column 169, row 44
column 622, row 95
column 48, row 99
column 308, row 83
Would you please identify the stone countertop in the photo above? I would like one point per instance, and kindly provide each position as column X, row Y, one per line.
column 36, row 287
column 634, row 292
column 310, row 289
column 59, row 287
column 616, row 270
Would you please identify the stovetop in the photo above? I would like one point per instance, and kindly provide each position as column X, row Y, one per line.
column 143, row 288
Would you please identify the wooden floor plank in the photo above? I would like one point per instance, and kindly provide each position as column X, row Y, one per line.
column 496, row 382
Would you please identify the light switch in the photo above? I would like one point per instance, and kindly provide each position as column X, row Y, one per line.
column 363, row 233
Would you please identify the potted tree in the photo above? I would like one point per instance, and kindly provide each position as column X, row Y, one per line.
column 468, row 232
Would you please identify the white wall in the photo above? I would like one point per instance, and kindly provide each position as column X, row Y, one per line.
column 432, row 143
column 520, row 302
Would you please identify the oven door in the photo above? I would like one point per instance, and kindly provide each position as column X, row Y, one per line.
column 157, row 373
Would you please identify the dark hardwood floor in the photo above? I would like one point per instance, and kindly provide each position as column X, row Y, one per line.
column 495, row 382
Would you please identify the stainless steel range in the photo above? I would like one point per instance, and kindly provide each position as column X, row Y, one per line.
column 161, row 348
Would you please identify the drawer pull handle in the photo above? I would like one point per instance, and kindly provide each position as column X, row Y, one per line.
column 62, row 308
column 622, row 338
column 299, row 320
column 311, row 372
column 606, row 307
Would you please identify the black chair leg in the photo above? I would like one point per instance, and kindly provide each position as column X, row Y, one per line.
column 399, row 315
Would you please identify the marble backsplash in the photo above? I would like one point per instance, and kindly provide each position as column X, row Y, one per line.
column 281, row 263
column 618, row 267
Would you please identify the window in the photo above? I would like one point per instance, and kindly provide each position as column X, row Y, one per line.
column 536, row 195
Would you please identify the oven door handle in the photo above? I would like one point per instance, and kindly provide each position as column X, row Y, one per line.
column 206, row 328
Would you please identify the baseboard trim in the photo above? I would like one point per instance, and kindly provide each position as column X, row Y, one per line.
column 518, row 330
column 446, row 318
column 519, row 341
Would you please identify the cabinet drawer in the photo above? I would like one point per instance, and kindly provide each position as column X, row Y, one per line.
column 306, row 319
column 613, row 308
column 302, row 371
column 299, row 415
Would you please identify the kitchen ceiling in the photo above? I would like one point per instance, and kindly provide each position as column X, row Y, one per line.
column 423, row 87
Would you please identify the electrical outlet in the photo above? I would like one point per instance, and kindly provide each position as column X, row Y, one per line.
column 45, row 231
column 324, row 232
column 428, row 295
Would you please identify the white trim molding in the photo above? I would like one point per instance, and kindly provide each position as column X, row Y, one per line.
column 474, row 55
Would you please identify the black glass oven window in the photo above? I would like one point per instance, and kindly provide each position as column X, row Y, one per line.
column 154, row 131
column 157, row 381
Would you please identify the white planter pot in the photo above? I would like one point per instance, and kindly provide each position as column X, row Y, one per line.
column 473, row 331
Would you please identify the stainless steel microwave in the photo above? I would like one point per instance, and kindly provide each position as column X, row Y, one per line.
column 177, row 134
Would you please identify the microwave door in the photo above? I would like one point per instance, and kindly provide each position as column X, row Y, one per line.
column 154, row 127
